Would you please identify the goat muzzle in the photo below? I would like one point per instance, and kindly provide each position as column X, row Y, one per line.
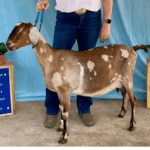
column 9, row 46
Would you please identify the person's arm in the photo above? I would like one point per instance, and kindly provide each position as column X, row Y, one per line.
column 107, row 10
column 42, row 4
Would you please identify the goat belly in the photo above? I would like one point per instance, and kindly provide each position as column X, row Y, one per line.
column 104, row 90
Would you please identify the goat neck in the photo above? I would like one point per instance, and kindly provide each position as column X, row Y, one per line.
column 43, row 50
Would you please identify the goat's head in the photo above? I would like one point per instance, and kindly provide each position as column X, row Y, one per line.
column 20, row 36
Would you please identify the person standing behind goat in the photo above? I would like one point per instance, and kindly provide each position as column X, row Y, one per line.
column 81, row 21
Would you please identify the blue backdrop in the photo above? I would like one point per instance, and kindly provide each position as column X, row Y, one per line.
column 130, row 26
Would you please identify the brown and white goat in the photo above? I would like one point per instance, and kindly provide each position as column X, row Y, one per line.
column 88, row 73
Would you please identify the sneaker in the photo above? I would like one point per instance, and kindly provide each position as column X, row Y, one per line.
column 87, row 119
column 50, row 121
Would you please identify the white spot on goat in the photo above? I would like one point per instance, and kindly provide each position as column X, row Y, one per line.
column 90, row 78
column 129, row 63
column 134, row 52
column 130, row 85
column 61, row 126
column 20, row 30
column 90, row 49
column 105, row 47
column 12, row 44
column 90, row 65
column 125, row 53
column 27, row 42
column 109, row 65
column 50, row 58
column 34, row 35
column 119, row 76
column 41, row 50
column 95, row 73
column 62, row 59
column 79, row 90
column 18, row 23
column 66, row 135
column 56, row 80
column 116, row 74
column 81, row 73
column 105, row 57
column 62, row 68
column 61, row 108
column 111, row 56
column 113, row 79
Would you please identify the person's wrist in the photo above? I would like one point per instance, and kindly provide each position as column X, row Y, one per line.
column 106, row 24
column 108, row 21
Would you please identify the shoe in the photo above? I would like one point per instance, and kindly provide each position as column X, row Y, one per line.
column 50, row 121
column 87, row 119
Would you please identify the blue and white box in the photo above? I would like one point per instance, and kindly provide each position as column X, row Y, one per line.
column 7, row 92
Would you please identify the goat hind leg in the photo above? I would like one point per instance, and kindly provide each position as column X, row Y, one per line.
column 133, row 103
column 64, row 107
column 132, row 121
column 63, row 138
column 124, row 103
column 61, row 125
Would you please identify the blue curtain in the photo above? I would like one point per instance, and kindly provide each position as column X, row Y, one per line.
column 130, row 26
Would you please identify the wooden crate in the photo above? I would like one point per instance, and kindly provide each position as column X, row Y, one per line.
column 7, row 89
column 148, row 82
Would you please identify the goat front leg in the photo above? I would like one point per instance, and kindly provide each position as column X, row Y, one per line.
column 124, row 103
column 61, row 125
column 64, row 105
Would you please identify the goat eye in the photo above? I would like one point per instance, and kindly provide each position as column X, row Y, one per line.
column 23, row 31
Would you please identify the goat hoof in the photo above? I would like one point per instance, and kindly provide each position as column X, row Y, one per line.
column 121, row 115
column 131, row 128
column 62, row 141
column 59, row 130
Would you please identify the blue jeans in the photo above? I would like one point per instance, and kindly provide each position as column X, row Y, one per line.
column 69, row 28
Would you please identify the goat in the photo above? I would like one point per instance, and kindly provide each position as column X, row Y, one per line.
column 93, row 72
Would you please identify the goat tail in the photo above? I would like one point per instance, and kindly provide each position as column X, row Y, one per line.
column 141, row 46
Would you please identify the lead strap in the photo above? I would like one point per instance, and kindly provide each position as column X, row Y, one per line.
column 37, row 18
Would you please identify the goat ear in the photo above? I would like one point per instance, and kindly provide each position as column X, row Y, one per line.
column 29, row 25
column 34, row 35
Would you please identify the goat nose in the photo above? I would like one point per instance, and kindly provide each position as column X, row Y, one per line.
column 8, row 43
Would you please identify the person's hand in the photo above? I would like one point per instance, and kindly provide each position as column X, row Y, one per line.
column 42, row 5
column 105, row 32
